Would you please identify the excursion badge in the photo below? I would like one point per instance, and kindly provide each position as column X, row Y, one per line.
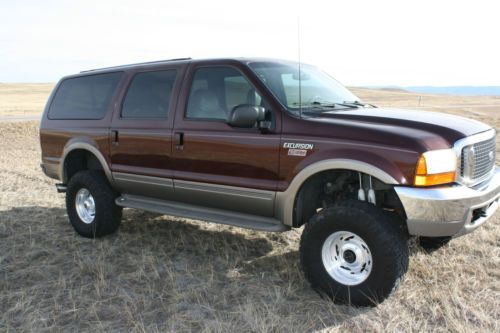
column 297, row 149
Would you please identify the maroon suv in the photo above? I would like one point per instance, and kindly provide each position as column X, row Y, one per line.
column 266, row 145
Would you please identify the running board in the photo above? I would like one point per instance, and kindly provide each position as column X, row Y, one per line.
column 202, row 213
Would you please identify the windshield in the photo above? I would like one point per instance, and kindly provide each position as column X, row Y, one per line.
column 318, row 90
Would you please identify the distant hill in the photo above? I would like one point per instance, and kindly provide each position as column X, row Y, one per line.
column 396, row 89
column 449, row 90
column 457, row 90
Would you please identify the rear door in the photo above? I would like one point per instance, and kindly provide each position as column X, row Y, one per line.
column 141, row 132
column 217, row 165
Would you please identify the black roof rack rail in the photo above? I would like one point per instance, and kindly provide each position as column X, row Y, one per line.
column 136, row 64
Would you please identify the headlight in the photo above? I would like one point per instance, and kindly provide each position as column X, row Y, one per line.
column 436, row 167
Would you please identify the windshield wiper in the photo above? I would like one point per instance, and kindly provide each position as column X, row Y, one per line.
column 358, row 103
column 333, row 104
column 320, row 107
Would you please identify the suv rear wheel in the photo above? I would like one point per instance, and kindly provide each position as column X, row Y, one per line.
column 354, row 252
column 90, row 202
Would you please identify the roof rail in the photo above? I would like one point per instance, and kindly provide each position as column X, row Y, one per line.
column 136, row 64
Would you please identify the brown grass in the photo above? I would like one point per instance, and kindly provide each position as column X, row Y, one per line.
column 23, row 99
column 160, row 273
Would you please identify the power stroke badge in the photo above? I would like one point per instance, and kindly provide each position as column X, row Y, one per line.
column 297, row 149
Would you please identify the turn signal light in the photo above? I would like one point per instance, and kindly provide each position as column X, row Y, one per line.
column 422, row 178
column 440, row 178
column 421, row 166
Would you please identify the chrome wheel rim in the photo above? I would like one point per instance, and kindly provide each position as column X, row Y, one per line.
column 347, row 258
column 85, row 206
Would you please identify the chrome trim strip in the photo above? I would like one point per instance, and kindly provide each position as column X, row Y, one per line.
column 150, row 186
column 239, row 199
column 285, row 200
column 141, row 179
column 226, row 190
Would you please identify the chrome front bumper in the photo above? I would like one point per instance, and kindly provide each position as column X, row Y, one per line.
column 449, row 211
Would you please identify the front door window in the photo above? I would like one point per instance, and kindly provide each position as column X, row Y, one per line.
column 216, row 91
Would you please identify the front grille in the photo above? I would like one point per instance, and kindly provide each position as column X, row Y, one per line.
column 478, row 160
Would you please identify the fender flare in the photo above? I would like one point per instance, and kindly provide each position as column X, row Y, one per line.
column 285, row 200
column 91, row 149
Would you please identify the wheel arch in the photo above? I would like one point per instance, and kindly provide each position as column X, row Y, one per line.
column 76, row 150
column 285, row 201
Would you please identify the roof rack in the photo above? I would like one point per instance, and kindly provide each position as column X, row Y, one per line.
column 136, row 64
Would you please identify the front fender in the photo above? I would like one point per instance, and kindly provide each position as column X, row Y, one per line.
column 285, row 200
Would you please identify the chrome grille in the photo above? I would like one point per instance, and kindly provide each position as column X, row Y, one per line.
column 478, row 160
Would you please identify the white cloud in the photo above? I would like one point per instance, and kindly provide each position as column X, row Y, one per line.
column 358, row 42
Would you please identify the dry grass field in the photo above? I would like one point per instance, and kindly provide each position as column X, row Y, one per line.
column 161, row 273
column 27, row 99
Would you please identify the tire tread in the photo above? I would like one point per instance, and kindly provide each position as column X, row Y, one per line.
column 382, row 224
column 108, row 214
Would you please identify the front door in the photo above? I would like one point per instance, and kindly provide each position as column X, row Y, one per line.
column 217, row 165
column 141, row 133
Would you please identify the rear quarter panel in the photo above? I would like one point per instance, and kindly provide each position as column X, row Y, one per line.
column 56, row 135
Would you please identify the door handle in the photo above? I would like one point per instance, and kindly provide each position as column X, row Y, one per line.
column 114, row 139
column 179, row 140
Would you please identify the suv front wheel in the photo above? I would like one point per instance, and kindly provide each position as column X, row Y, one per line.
column 354, row 252
column 90, row 202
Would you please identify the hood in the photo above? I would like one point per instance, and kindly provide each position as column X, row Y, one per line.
column 421, row 129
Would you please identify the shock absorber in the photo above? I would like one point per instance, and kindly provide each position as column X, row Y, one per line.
column 361, row 191
column 371, row 193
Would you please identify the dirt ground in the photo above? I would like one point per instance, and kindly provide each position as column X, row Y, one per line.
column 160, row 273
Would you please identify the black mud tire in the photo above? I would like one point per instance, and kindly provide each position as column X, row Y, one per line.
column 382, row 233
column 107, row 214
column 432, row 244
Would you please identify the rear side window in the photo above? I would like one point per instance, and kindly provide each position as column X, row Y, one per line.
column 85, row 97
column 149, row 95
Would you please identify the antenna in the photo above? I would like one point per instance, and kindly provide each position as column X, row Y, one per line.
column 300, row 74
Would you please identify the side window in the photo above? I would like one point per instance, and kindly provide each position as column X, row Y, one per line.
column 216, row 91
column 85, row 97
column 239, row 91
column 149, row 95
column 291, row 87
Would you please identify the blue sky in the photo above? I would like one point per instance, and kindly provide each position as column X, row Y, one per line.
column 385, row 42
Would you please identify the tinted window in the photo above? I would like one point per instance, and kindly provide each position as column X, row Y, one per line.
column 216, row 91
column 85, row 97
column 149, row 95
